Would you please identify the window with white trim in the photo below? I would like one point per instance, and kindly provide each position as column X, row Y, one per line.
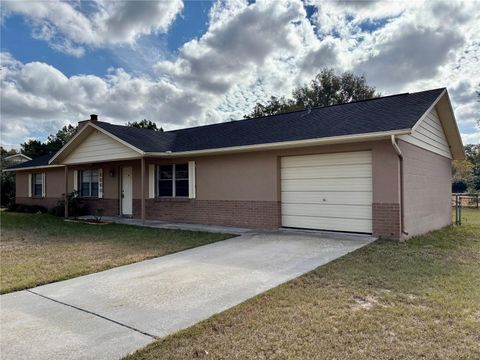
column 173, row 180
column 88, row 180
column 37, row 184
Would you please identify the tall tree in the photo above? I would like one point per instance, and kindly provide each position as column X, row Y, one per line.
column 7, row 179
column 144, row 124
column 478, row 95
column 273, row 106
column 36, row 148
column 4, row 152
column 56, row 142
column 466, row 173
column 327, row 88
column 472, row 154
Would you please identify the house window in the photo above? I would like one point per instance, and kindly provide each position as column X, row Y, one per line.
column 88, row 183
column 37, row 185
column 173, row 180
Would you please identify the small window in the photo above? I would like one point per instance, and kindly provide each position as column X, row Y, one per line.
column 173, row 180
column 165, row 180
column 37, row 185
column 88, row 183
column 181, row 180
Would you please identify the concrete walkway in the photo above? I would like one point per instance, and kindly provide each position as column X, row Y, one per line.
column 112, row 313
column 159, row 224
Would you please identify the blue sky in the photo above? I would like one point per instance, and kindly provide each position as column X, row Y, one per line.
column 183, row 63
column 16, row 38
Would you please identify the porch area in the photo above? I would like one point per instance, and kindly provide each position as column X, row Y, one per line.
column 159, row 224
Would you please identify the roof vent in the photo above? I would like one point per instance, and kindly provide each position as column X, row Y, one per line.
column 93, row 117
column 308, row 110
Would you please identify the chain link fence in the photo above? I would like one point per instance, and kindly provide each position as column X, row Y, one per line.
column 461, row 200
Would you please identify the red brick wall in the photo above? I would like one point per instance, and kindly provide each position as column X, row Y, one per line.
column 250, row 214
column 386, row 220
column 45, row 202
column 110, row 206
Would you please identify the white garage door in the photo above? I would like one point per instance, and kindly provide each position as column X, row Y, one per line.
column 328, row 191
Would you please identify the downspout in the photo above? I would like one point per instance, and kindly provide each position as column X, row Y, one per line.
column 400, row 157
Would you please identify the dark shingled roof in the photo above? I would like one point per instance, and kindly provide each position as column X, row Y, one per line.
column 388, row 113
column 396, row 112
column 38, row 161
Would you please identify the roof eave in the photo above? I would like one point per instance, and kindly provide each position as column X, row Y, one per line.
column 65, row 150
column 33, row 168
column 285, row 144
column 450, row 127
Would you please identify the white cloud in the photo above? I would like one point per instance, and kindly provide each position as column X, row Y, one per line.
column 68, row 26
column 38, row 98
column 248, row 53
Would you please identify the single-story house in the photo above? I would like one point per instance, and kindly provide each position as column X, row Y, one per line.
column 17, row 158
column 379, row 166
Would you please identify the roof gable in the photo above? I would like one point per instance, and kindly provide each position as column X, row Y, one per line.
column 98, row 146
column 93, row 144
column 437, row 130
column 18, row 157
column 429, row 134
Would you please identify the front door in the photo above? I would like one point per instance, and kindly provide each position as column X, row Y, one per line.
column 127, row 187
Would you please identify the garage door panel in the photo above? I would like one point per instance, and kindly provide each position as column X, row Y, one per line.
column 361, row 157
column 357, row 184
column 335, row 224
column 330, row 171
column 332, row 197
column 329, row 210
column 327, row 191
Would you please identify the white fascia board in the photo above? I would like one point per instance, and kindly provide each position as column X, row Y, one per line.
column 419, row 121
column 286, row 144
column 102, row 161
column 141, row 152
column 34, row 168
column 83, row 129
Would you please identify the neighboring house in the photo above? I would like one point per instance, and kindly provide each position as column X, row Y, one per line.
column 17, row 158
column 379, row 166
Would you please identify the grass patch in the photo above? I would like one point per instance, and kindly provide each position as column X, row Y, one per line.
column 417, row 299
column 38, row 249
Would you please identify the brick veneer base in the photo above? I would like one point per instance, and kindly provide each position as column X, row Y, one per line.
column 45, row 202
column 249, row 214
column 386, row 220
column 110, row 206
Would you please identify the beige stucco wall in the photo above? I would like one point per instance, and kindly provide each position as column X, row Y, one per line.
column 427, row 190
column 241, row 177
column 255, row 176
column 245, row 176
column 54, row 183
column 21, row 183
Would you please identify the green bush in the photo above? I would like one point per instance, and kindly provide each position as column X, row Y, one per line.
column 23, row 208
column 75, row 206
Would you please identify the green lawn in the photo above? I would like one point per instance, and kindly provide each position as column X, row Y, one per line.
column 411, row 300
column 38, row 249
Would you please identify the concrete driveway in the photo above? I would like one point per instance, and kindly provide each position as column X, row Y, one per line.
column 112, row 313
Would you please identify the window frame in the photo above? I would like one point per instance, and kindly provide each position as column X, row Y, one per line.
column 80, row 184
column 173, row 181
column 34, row 183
